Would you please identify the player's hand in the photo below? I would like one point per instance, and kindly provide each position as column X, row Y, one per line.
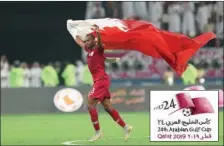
column 69, row 21
column 95, row 28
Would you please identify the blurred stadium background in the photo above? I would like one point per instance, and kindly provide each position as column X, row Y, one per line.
column 38, row 57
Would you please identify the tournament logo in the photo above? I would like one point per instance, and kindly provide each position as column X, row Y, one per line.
column 184, row 115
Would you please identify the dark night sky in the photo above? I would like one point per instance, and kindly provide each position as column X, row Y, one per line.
column 37, row 30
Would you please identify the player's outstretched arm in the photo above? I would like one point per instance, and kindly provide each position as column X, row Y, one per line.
column 99, row 42
column 79, row 42
column 73, row 31
column 111, row 60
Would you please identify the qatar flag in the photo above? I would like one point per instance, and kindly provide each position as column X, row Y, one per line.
column 176, row 49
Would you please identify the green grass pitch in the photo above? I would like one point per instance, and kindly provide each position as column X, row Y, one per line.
column 55, row 129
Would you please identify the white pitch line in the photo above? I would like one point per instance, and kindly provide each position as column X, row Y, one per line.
column 76, row 142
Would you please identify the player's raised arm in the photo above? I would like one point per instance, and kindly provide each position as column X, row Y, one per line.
column 79, row 42
column 99, row 42
column 73, row 31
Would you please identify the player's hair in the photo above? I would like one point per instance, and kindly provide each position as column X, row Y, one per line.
column 91, row 35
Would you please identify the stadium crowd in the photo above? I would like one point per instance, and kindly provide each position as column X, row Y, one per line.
column 189, row 18
column 21, row 74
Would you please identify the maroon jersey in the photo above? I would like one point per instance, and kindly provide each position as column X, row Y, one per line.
column 96, row 63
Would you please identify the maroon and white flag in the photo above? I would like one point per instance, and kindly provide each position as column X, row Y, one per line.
column 116, row 34
column 197, row 105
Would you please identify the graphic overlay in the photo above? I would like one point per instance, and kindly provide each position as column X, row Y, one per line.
column 184, row 115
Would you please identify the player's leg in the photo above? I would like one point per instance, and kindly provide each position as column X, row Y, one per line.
column 92, row 102
column 116, row 116
column 93, row 113
column 113, row 112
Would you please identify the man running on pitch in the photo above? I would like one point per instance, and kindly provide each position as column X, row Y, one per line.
column 100, row 91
